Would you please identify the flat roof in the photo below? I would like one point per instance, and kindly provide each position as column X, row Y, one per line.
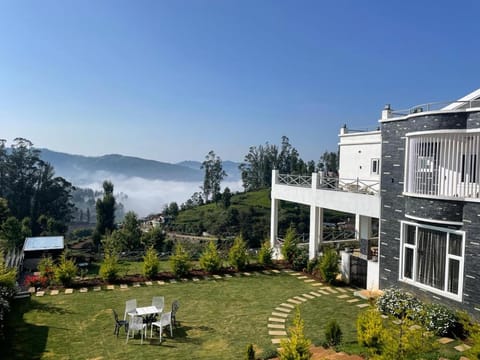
column 43, row 243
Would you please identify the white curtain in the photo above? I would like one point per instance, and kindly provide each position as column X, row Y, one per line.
column 431, row 256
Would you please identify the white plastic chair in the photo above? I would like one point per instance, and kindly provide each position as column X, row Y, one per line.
column 130, row 306
column 158, row 302
column 165, row 320
column 136, row 324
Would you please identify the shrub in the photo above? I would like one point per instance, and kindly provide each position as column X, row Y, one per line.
column 369, row 329
column 300, row 259
column 109, row 268
column 312, row 266
column 35, row 281
column 250, row 353
column 6, row 297
column 265, row 254
column 210, row 259
column 329, row 265
column 46, row 267
column 439, row 319
column 333, row 333
column 289, row 246
column 295, row 346
column 151, row 263
column 8, row 275
column 237, row 256
column 65, row 271
column 399, row 304
column 180, row 261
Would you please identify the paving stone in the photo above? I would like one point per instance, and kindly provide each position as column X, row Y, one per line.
column 54, row 292
column 293, row 273
column 68, row 291
column 276, row 271
column 317, row 284
column 97, row 288
column 31, row 290
column 123, row 286
column 148, row 283
column 415, row 327
column 300, row 298
column 196, row 279
column 383, row 316
column 309, row 281
column 396, row 322
column 296, row 302
column 83, row 290
column 217, row 276
column 277, row 333
column 342, row 290
column 288, row 305
column 267, row 272
column 136, row 285
column 445, row 340
column 161, row 282
column 276, row 326
column 353, row 300
column 308, row 296
column 462, row 347
column 303, row 277
column 228, row 276
column 287, row 310
column 173, row 281
column 342, row 296
column 207, row 277
column 315, row 293
column 184, row 279
column 40, row 293
column 282, row 315
column 276, row 341
column 273, row 319
column 247, row 274
column 333, row 291
column 362, row 305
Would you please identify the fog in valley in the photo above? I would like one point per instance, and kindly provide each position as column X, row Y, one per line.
column 149, row 196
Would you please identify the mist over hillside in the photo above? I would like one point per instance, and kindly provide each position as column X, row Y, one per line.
column 148, row 184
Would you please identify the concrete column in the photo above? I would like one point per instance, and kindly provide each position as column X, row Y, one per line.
column 363, row 231
column 316, row 233
column 274, row 222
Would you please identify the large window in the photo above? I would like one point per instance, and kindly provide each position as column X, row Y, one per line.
column 443, row 164
column 432, row 258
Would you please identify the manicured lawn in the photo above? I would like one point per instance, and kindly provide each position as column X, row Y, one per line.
column 217, row 320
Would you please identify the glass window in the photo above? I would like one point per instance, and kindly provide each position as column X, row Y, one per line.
column 433, row 258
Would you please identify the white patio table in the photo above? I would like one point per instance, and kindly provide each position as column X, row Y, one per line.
column 146, row 310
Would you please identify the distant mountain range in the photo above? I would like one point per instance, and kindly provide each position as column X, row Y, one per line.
column 80, row 169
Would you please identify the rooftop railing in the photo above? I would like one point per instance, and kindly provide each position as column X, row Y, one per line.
column 437, row 106
column 370, row 187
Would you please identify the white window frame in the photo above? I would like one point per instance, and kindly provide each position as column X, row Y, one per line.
column 375, row 161
column 404, row 245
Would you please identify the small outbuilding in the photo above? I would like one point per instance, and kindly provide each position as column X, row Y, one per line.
column 36, row 248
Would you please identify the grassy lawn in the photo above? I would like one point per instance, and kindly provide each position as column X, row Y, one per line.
column 217, row 320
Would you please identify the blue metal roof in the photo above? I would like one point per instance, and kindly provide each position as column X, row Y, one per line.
column 43, row 243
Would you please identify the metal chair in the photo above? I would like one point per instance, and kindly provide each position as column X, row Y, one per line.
column 175, row 306
column 165, row 320
column 119, row 323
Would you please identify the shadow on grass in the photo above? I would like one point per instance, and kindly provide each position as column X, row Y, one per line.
column 180, row 335
column 23, row 340
column 35, row 305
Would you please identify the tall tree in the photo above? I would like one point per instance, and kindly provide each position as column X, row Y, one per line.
column 105, row 209
column 329, row 162
column 214, row 174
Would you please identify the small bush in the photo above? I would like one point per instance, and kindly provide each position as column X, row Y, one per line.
column 46, row 267
column 151, row 263
column 289, row 246
column 250, row 353
column 180, row 261
column 210, row 259
column 312, row 266
column 329, row 265
column 65, row 271
column 237, row 256
column 265, row 254
column 333, row 333
column 369, row 329
column 296, row 346
column 439, row 319
column 6, row 298
column 300, row 259
column 399, row 304
column 109, row 268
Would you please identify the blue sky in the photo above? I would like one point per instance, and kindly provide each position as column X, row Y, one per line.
column 171, row 80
